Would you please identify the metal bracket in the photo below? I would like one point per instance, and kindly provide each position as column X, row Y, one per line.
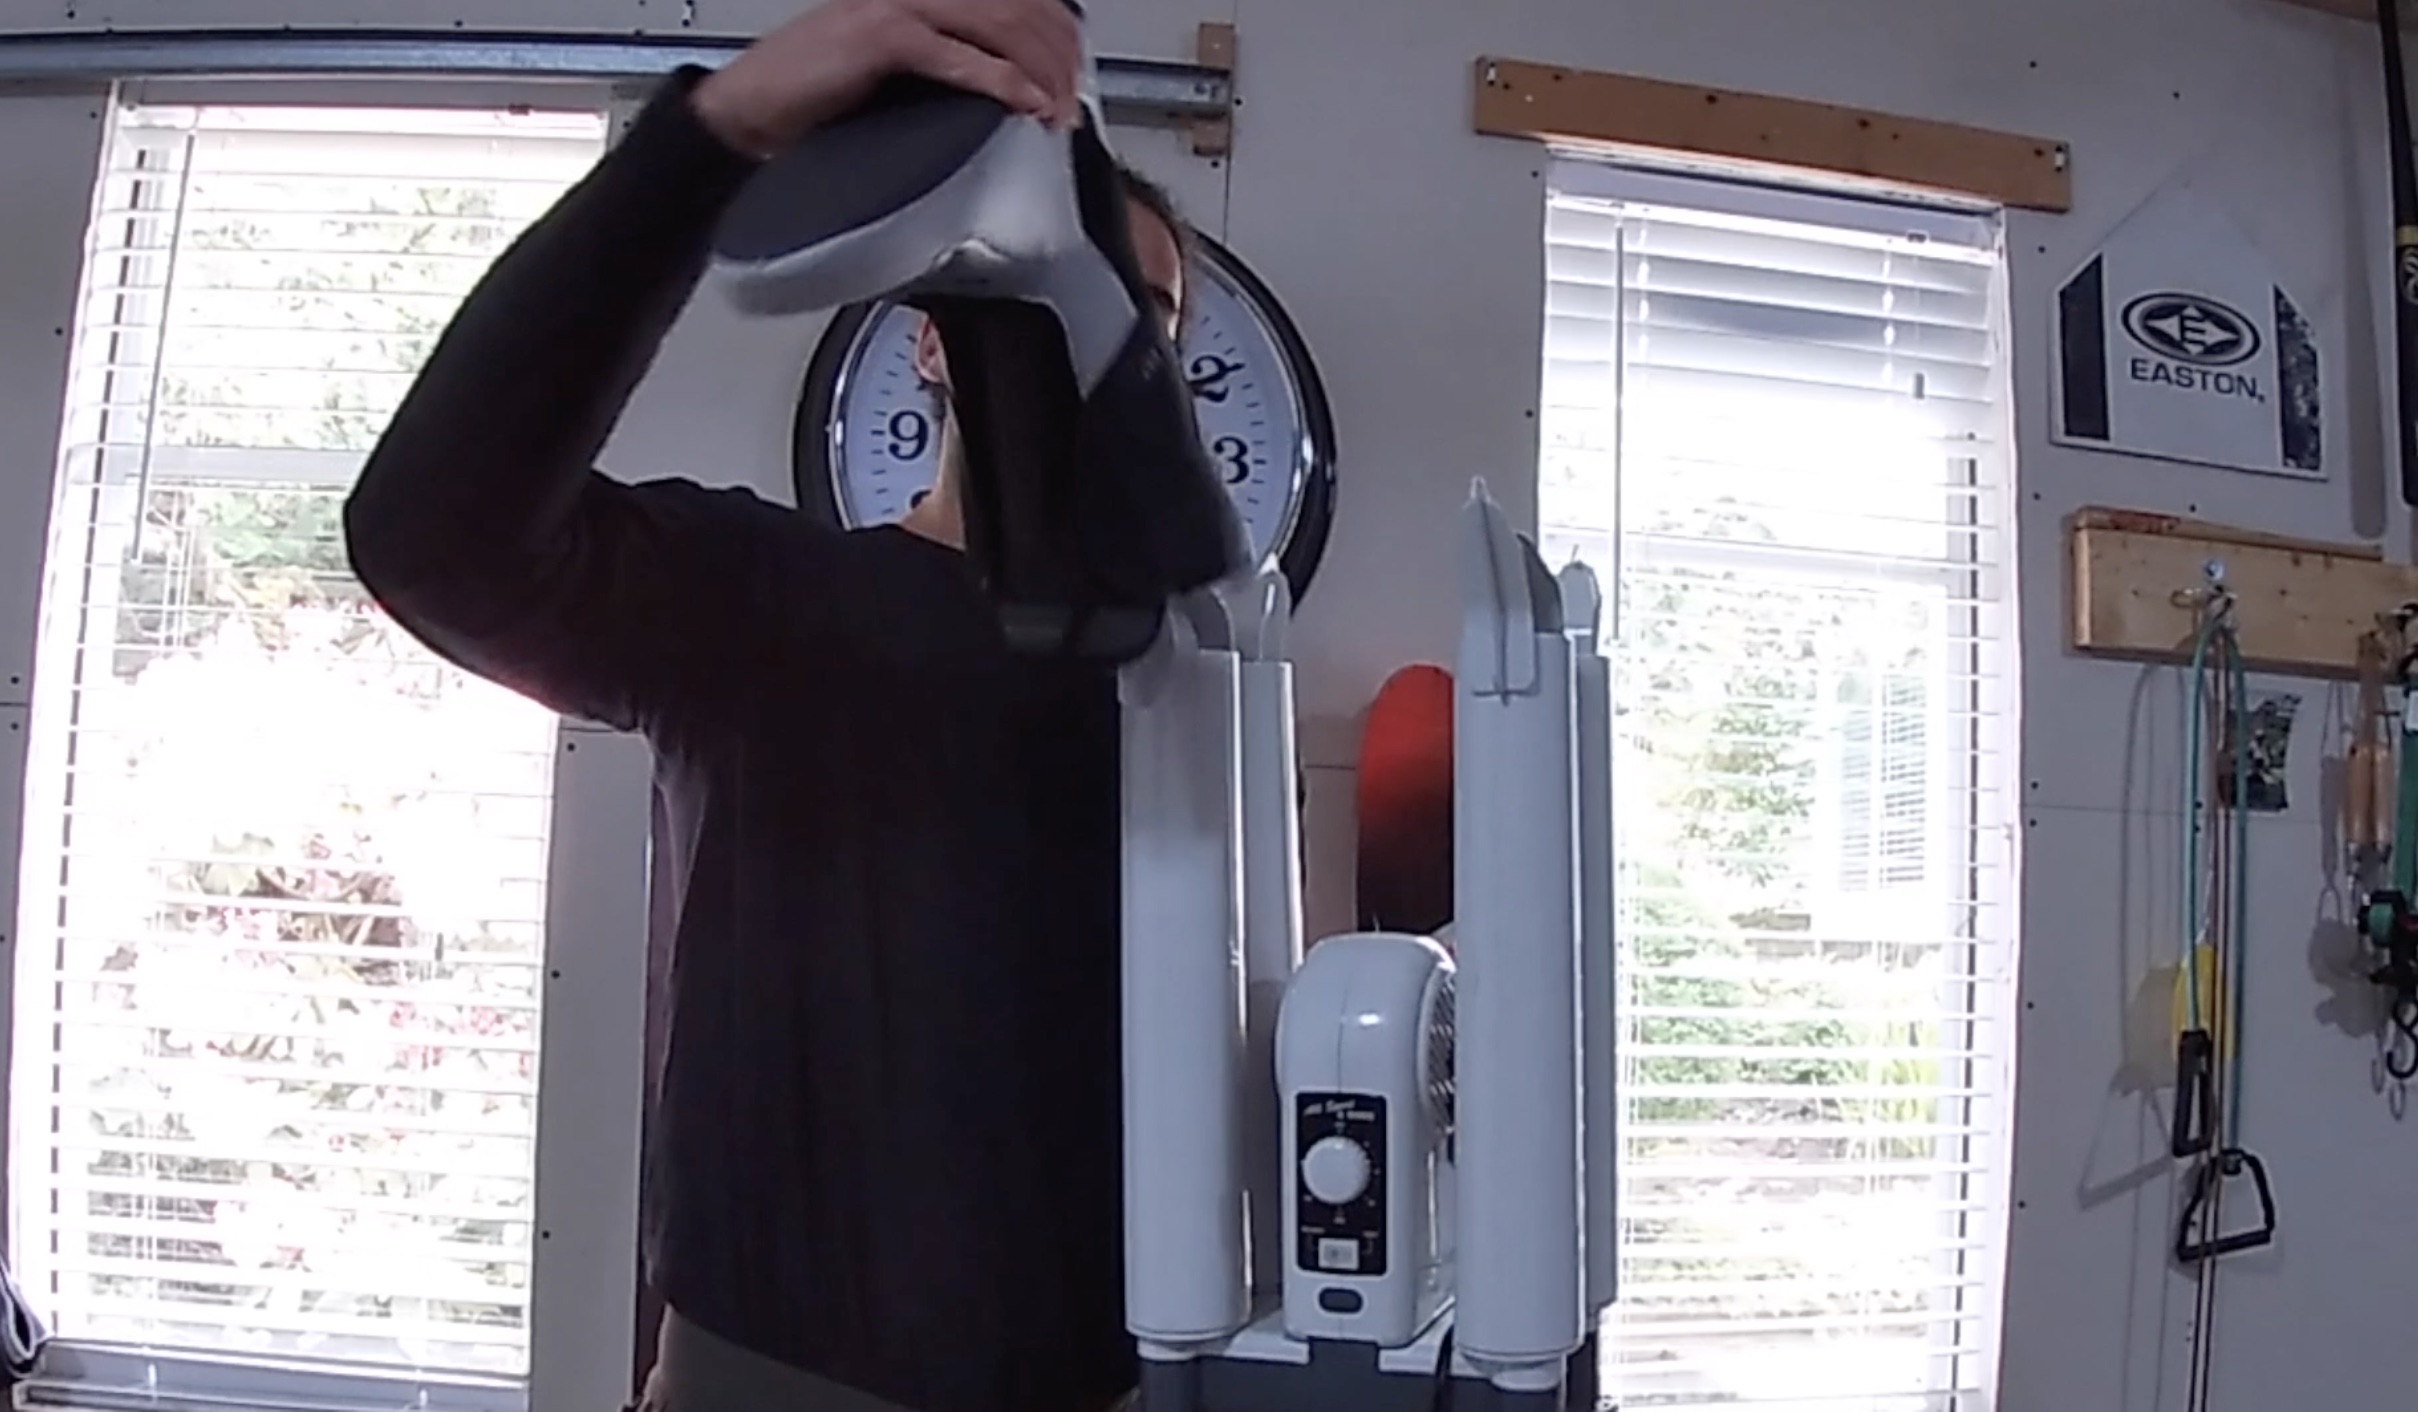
column 1152, row 91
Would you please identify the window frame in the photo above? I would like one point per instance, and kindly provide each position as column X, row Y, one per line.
column 584, row 1272
column 1979, row 671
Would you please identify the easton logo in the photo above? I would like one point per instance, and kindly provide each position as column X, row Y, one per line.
column 2191, row 329
column 2195, row 339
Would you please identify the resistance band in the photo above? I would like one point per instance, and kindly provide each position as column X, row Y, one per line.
column 2209, row 1074
column 2213, row 934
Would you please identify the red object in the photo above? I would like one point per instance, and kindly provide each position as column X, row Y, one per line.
column 1405, row 804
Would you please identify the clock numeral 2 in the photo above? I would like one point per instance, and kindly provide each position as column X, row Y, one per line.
column 1236, row 454
column 910, row 433
column 1209, row 376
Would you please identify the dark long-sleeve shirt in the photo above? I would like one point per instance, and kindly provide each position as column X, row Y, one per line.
column 886, row 1142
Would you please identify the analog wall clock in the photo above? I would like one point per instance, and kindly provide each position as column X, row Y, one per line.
column 867, row 439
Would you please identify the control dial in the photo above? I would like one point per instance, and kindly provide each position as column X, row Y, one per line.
column 1335, row 1170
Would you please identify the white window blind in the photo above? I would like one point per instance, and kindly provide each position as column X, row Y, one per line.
column 277, row 1003
column 1775, row 419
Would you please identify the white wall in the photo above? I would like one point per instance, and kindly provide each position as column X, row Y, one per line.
column 1409, row 250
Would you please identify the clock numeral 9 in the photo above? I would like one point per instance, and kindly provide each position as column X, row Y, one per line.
column 910, row 433
column 1235, row 454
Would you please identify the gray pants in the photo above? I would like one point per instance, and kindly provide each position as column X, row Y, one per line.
column 697, row 1372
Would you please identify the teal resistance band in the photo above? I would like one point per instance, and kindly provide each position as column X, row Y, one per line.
column 2209, row 1125
column 2387, row 918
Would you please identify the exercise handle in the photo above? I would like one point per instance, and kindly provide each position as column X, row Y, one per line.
column 2232, row 1162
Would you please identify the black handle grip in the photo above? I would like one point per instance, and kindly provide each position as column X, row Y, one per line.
column 2232, row 1162
column 2195, row 1093
column 2225, row 1245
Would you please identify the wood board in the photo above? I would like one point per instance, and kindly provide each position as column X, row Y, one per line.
column 2159, row 522
column 1214, row 47
column 2300, row 606
column 1584, row 107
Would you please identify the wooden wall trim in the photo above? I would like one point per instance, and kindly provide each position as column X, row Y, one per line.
column 1579, row 107
column 2301, row 606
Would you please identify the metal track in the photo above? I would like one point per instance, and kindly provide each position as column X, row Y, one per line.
column 1133, row 88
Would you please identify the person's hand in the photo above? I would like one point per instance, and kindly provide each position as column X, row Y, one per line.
column 1024, row 53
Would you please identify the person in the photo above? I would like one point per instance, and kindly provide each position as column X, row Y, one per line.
column 884, row 1166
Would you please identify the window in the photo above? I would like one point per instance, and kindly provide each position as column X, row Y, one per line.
column 276, row 1024
column 1775, row 419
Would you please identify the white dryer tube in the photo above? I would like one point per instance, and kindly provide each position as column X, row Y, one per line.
column 1186, row 1279
column 1582, row 611
column 1272, row 941
column 1272, row 924
column 1521, row 1270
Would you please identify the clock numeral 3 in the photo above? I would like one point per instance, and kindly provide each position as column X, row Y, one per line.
column 1235, row 453
column 910, row 433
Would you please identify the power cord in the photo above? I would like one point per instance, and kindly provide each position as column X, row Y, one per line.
column 1442, row 1401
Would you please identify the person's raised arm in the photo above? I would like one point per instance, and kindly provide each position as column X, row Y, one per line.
column 479, row 522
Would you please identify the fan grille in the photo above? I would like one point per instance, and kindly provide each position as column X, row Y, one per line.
column 1441, row 1035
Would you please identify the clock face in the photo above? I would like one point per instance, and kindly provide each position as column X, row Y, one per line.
column 868, row 432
